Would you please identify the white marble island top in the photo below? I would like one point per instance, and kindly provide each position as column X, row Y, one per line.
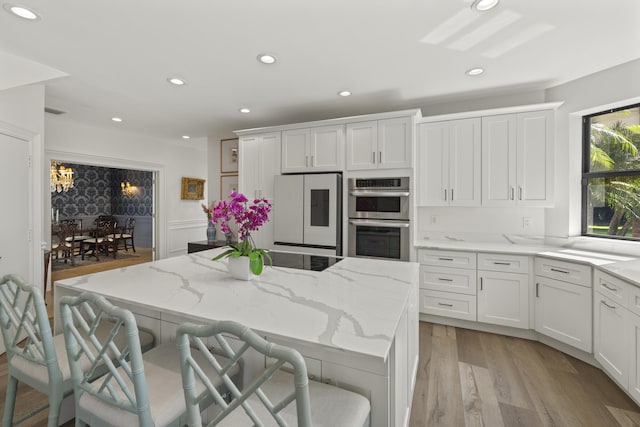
column 355, row 305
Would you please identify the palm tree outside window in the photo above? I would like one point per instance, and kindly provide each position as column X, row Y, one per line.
column 611, row 174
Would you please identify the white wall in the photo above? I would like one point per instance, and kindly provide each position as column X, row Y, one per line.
column 178, row 221
column 22, row 115
column 614, row 87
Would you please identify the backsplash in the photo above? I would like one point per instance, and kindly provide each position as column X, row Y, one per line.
column 96, row 191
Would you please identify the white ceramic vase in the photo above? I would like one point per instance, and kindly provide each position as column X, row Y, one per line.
column 239, row 268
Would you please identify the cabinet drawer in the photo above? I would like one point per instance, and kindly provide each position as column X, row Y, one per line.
column 580, row 274
column 504, row 262
column 448, row 304
column 447, row 258
column 614, row 288
column 445, row 279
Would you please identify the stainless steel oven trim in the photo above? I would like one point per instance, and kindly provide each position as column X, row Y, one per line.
column 402, row 215
column 404, row 236
column 374, row 193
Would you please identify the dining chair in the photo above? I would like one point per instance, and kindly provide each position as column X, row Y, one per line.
column 102, row 241
column 64, row 241
column 138, row 389
column 34, row 356
column 274, row 397
column 126, row 233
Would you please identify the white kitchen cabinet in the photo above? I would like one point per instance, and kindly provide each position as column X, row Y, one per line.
column 379, row 144
column 634, row 357
column 449, row 163
column 503, row 298
column 612, row 330
column 563, row 308
column 517, row 159
column 259, row 163
column 316, row 149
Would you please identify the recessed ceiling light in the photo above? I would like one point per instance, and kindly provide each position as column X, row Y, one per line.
column 344, row 93
column 116, row 119
column 484, row 5
column 474, row 71
column 185, row 137
column 266, row 58
column 21, row 11
column 176, row 81
column 245, row 110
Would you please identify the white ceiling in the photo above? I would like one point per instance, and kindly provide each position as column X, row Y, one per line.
column 392, row 54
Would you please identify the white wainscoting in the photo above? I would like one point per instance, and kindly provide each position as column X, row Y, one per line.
column 180, row 233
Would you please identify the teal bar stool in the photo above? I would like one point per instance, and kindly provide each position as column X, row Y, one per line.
column 138, row 389
column 274, row 397
column 34, row 356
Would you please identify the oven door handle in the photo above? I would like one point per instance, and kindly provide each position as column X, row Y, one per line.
column 390, row 224
column 374, row 193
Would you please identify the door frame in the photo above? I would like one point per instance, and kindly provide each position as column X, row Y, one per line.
column 159, row 220
column 36, row 246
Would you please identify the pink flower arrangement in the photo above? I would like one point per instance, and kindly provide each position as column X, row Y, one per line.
column 248, row 218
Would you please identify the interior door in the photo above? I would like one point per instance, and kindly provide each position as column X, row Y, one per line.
column 15, row 248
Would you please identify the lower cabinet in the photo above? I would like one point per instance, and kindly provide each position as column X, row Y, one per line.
column 563, row 312
column 503, row 299
column 612, row 330
column 448, row 304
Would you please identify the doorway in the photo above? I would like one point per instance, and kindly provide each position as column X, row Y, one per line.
column 124, row 195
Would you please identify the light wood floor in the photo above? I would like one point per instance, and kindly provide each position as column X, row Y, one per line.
column 470, row 378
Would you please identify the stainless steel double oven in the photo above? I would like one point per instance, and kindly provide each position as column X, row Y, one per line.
column 379, row 218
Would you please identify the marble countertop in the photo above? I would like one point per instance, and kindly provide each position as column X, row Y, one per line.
column 354, row 305
column 625, row 266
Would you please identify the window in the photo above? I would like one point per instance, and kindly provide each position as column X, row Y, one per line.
column 611, row 174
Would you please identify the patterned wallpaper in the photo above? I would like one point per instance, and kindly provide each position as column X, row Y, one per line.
column 96, row 191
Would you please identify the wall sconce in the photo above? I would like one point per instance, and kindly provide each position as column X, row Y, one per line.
column 127, row 188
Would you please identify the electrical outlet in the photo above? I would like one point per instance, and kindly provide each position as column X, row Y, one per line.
column 526, row 222
column 434, row 219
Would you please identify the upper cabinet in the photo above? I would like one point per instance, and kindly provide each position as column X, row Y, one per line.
column 517, row 159
column 379, row 144
column 448, row 164
column 316, row 149
column 259, row 164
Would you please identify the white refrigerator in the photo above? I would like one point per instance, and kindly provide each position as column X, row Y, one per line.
column 307, row 213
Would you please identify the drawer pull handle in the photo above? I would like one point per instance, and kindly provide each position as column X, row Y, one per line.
column 611, row 288
column 444, row 279
column 559, row 271
column 610, row 306
column 481, row 284
column 446, row 305
column 501, row 263
column 445, row 259
column 537, row 290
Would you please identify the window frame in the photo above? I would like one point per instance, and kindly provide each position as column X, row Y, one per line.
column 586, row 174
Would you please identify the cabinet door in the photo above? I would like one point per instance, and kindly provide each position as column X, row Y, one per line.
column 499, row 160
column 611, row 338
column 433, row 164
column 394, row 143
column 503, row 299
column 295, row 150
column 465, row 162
column 534, row 163
column 362, row 143
column 249, row 166
column 634, row 357
column 326, row 149
column 563, row 312
column 269, row 168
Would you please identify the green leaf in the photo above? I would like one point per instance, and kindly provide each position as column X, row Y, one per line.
column 255, row 263
column 223, row 255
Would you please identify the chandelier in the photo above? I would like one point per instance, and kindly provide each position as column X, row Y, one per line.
column 61, row 177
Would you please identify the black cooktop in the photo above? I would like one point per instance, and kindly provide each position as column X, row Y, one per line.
column 302, row 261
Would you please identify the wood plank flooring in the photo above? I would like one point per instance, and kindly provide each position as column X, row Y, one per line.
column 470, row 378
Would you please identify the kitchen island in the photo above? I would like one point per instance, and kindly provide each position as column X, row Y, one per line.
column 356, row 323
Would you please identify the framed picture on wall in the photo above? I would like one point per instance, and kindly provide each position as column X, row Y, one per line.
column 229, row 155
column 228, row 183
column 192, row 189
